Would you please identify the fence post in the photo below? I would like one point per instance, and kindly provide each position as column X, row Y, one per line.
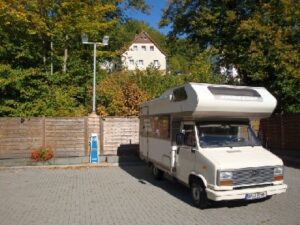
column 101, row 136
column 44, row 130
column 93, row 125
column 86, row 136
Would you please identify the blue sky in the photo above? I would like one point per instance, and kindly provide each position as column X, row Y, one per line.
column 155, row 14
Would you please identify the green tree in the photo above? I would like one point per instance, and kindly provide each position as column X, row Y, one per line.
column 180, row 54
column 260, row 38
column 31, row 92
column 202, row 69
column 23, row 33
column 37, row 35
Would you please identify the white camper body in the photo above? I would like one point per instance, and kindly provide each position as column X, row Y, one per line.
column 201, row 135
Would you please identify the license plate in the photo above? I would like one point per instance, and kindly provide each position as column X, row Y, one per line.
column 257, row 195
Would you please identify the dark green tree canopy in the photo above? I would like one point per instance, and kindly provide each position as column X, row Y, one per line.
column 260, row 38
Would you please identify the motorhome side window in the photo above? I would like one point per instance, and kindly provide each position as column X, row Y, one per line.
column 246, row 92
column 155, row 126
column 179, row 94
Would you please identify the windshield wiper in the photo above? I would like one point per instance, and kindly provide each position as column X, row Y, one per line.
column 228, row 145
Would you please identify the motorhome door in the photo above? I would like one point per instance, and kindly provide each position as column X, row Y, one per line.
column 186, row 153
column 145, row 126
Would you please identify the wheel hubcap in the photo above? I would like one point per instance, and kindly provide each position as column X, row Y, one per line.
column 155, row 171
column 196, row 193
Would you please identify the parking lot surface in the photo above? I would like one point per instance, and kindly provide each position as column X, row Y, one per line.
column 127, row 195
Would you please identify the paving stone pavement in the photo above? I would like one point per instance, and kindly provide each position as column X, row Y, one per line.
column 127, row 195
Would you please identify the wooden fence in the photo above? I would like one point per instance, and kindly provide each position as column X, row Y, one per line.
column 69, row 137
column 281, row 134
column 19, row 136
column 118, row 135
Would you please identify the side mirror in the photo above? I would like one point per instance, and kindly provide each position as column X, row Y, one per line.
column 180, row 139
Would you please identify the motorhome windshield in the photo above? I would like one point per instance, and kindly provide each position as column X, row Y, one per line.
column 213, row 135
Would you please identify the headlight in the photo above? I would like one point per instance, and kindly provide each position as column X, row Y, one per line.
column 225, row 178
column 225, row 175
column 278, row 173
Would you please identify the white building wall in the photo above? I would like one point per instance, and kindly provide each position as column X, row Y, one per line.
column 147, row 56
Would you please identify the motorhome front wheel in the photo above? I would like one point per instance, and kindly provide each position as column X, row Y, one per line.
column 199, row 195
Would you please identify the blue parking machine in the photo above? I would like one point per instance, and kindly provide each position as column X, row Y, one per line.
column 94, row 148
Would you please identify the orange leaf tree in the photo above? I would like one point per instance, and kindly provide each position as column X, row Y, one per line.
column 118, row 95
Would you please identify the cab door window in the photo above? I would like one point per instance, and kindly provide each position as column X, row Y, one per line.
column 189, row 135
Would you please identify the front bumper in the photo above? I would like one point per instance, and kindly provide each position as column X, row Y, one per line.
column 241, row 194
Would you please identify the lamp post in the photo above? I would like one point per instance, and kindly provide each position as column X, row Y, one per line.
column 85, row 40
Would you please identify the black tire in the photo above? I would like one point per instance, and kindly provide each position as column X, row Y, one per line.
column 199, row 195
column 268, row 197
column 157, row 173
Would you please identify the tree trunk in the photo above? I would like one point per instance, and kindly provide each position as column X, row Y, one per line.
column 65, row 56
column 44, row 56
column 51, row 65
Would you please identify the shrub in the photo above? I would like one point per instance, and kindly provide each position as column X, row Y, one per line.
column 118, row 95
column 43, row 153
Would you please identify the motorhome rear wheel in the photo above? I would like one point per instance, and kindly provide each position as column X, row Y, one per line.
column 157, row 173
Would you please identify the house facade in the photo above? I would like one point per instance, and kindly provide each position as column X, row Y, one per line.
column 142, row 53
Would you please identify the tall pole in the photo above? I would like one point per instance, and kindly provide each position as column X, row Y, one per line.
column 104, row 43
column 94, row 83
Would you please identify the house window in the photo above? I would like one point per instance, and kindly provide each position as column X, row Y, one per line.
column 141, row 62
column 131, row 62
column 144, row 48
column 156, row 63
column 152, row 48
column 135, row 48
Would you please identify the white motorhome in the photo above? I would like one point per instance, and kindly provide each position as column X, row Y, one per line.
column 201, row 135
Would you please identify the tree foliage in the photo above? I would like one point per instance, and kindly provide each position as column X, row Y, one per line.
column 31, row 92
column 121, row 93
column 260, row 38
column 46, row 70
column 118, row 95
column 35, row 35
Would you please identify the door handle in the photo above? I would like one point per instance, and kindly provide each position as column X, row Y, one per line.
column 178, row 149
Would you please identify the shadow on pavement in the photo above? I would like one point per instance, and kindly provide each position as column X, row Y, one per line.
column 291, row 164
column 236, row 203
column 143, row 174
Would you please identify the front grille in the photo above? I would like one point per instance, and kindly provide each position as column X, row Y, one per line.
column 252, row 176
